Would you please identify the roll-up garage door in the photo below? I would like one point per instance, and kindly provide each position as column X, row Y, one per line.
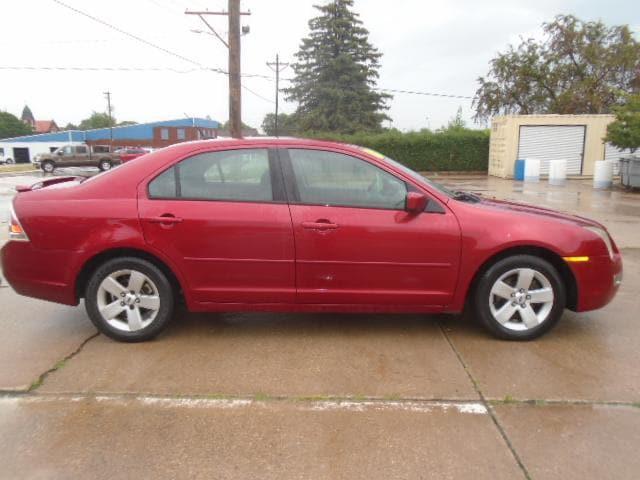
column 553, row 142
column 615, row 154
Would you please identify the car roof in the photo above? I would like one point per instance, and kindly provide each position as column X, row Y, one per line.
column 230, row 142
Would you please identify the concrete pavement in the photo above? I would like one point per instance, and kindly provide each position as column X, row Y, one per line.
column 331, row 396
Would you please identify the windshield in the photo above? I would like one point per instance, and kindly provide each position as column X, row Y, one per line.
column 411, row 173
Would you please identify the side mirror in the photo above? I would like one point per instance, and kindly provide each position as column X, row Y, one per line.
column 415, row 202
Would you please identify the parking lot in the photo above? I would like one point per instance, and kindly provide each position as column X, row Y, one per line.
column 331, row 395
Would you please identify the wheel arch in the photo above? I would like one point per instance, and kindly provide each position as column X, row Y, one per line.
column 552, row 257
column 94, row 262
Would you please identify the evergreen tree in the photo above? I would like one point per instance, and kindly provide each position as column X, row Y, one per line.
column 27, row 116
column 336, row 71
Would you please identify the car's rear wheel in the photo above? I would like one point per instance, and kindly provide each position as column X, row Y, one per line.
column 129, row 299
column 105, row 165
column 48, row 166
column 520, row 297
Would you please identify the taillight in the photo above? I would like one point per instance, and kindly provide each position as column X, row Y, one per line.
column 16, row 232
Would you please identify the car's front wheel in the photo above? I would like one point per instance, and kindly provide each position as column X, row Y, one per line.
column 520, row 297
column 129, row 299
column 48, row 166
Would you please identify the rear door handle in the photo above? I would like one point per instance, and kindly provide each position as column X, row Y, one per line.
column 319, row 225
column 164, row 219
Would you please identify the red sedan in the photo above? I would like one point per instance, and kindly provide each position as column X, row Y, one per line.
column 297, row 225
column 129, row 153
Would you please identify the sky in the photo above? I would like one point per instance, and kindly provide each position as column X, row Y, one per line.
column 428, row 46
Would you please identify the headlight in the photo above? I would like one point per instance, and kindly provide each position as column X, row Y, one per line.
column 604, row 236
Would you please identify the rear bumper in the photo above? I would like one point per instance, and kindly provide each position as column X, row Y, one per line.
column 43, row 274
column 598, row 281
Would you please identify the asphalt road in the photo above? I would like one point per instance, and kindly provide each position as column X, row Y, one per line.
column 331, row 396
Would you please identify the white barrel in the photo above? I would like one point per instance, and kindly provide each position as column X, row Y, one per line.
column 557, row 172
column 602, row 174
column 531, row 170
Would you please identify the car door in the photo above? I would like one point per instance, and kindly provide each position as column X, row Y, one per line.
column 81, row 156
column 355, row 243
column 66, row 157
column 222, row 218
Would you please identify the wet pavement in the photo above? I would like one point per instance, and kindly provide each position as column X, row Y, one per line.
column 332, row 395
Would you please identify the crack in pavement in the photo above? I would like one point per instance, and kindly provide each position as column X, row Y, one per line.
column 327, row 399
column 486, row 403
column 58, row 365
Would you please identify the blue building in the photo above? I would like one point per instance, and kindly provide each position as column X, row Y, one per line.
column 155, row 135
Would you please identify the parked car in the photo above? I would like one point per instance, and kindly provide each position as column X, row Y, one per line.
column 78, row 156
column 129, row 153
column 5, row 160
column 297, row 225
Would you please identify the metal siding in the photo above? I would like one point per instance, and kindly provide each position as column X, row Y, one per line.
column 553, row 142
column 139, row 131
column 614, row 153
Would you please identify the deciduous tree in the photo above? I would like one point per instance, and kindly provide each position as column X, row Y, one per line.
column 578, row 68
column 624, row 131
column 12, row 126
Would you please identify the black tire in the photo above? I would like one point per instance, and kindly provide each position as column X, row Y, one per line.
column 105, row 165
column 9, row 161
column 47, row 166
column 164, row 290
column 481, row 300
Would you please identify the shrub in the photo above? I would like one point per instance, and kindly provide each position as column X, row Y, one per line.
column 458, row 150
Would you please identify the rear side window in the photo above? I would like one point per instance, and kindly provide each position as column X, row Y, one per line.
column 329, row 178
column 242, row 175
column 164, row 186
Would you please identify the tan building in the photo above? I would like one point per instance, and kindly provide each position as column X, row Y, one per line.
column 578, row 139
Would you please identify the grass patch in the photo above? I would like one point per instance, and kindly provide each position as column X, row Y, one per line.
column 17, row 168
column 35, row 384
column 261, row 397
column 508, row 399
column 314, row 398
column 393, row 397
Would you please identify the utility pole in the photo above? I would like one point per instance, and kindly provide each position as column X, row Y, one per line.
column 107, row 95
column 233, row 44
column 277, row 67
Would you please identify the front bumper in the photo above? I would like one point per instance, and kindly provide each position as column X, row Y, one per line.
column 597, row 281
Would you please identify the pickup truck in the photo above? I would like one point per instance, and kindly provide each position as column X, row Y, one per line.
column 78, row 156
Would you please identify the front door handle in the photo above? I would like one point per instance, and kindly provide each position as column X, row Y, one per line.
column 166, row 218
column 320, row 225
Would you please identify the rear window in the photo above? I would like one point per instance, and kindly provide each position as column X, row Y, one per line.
column 233, row 175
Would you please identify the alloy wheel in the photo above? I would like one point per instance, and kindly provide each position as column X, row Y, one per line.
column 521, row 299
column 128, row 300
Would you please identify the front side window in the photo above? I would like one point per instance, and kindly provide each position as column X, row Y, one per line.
column 81, row 150
column 68, row 150
column 329, row 178
column 240, row 175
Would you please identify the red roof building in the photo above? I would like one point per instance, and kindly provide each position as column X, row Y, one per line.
column 45, row 126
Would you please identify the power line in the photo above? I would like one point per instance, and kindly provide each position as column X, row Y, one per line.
column 131, row 35
column 430, row 94
column 157, row 47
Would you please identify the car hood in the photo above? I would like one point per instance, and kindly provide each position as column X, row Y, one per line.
column 519, row 208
